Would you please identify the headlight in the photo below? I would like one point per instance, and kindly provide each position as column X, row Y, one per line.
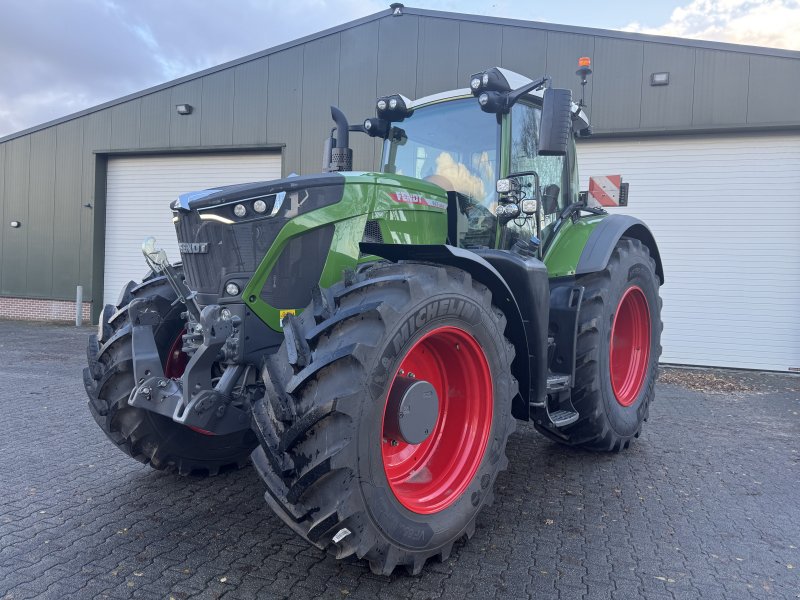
column 485, row 79
column 232, row 289
column 393, row 103
column 381, row 104
column 259, row 206
column 512, row 210
column 239, row 210
column 475, row 83
column 483, row 99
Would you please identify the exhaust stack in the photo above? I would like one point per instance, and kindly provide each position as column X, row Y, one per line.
column 338, row 156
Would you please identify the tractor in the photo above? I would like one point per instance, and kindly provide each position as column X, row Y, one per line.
column 369, row 339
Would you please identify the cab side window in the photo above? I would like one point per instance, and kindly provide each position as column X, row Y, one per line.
column 552, row 170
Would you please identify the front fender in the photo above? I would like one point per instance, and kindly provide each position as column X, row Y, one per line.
column 481, row 270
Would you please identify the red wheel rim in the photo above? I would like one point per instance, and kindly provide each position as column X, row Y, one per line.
column 630, row 345
column 176, row 361
column 428, row 477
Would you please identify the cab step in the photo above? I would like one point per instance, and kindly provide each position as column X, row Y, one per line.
column 558, row 383
column 562, row 418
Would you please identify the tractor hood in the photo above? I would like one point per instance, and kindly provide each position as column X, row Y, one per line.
column 331, row 184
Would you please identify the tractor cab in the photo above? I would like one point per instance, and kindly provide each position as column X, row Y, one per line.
column 510, row 173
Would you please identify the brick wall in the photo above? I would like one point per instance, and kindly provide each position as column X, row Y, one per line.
column 31, row 309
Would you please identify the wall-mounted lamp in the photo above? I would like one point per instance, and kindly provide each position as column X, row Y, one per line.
column 659, row 78
column 397, row 9
column 184, row 109
column 15, row 224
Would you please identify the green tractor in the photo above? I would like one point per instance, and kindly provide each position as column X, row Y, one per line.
column 369, row 339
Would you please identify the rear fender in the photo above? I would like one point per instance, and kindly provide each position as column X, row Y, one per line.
column 503, row 297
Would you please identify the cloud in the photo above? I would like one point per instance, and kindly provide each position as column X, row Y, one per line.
column 60, row 57
column 770, row 23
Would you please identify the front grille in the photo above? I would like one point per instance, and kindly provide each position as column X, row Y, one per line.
column 233, row 249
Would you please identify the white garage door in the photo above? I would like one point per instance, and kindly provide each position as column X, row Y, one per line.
column 725, row 211
column 138, row 195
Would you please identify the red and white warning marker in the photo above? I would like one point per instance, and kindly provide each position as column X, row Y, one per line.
column 608, row 190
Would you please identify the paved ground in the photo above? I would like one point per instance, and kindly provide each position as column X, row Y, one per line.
column 707, row 504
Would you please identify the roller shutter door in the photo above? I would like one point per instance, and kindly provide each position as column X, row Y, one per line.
column 139, row 191
column 725, row 211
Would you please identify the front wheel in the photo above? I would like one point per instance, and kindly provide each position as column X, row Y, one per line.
column 146, row 436
column 387, row 412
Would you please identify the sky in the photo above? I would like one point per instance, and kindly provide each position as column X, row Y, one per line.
column 60, row 57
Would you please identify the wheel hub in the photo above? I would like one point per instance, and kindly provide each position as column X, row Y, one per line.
column 437, row 420
column 411, row 411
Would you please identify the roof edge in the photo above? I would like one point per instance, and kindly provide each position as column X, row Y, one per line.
column 453, row 16
column 611, row 33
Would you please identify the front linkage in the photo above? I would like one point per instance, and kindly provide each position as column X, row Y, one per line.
column 197, row 400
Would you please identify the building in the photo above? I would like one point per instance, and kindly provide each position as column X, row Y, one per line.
column 712, row 158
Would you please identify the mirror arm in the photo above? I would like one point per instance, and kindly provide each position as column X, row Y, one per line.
column 515, row 95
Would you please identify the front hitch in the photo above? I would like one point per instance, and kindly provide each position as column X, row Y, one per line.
column 193, row 400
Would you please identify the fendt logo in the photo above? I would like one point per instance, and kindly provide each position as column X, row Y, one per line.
column 409, row 198
column 193, row 248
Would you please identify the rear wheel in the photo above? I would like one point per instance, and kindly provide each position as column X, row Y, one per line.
column 618, row 346
column 146, row 436
column 387, row 412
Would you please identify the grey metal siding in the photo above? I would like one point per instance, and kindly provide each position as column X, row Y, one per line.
column 479, row 47
column 437, row 68
column 525, row 51
column 41, row 204
column 720, row 88
column 563, row 51
column 397, row 56
column 667, row 106
column 773, row 90
column 282, row 96
column 125, row 120
column 17, row 200
column 5, row 230
column 250, row 102
column 216, row 125
column 69, row 209
column 617, row 92
column 358, row 71
column 156, row 110
column 320, row 91
column 96, row 135
column 284, row 102
column 185, row 130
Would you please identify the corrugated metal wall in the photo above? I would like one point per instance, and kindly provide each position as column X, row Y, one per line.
column 728, row 238
column 47, row 177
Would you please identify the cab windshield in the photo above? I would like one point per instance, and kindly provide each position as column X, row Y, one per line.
column 454, row 145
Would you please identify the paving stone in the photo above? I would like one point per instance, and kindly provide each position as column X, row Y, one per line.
column 704, row 504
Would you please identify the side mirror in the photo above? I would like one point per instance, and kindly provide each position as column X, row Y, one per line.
column 556, row 122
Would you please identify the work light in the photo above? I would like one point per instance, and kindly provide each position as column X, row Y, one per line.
column 393, row 108
column 529, row 206
column 232, row 289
